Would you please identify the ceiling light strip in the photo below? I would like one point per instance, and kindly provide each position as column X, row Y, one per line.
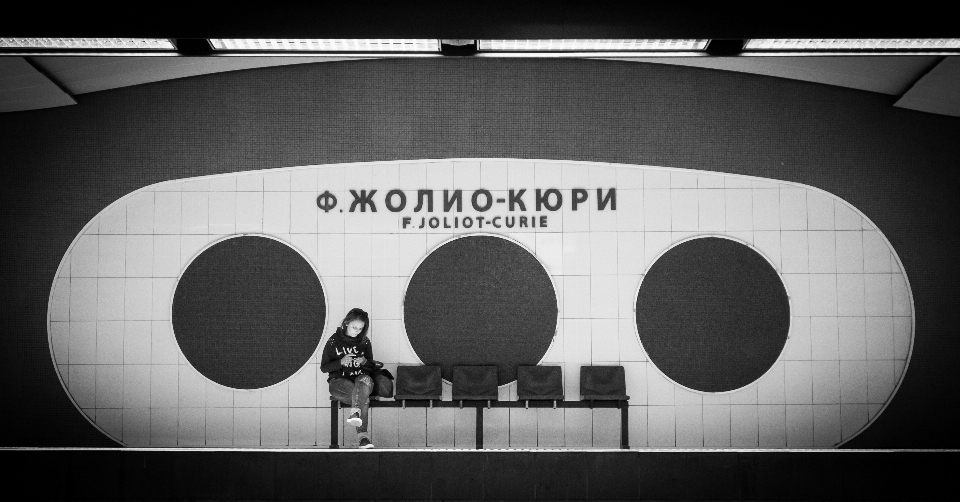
column 326, row 44
column 637, row 55
column 89, row 44
column 579, row 45
column 853, row 44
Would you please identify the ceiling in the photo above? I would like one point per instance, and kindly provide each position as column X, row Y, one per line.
column 923, row 83
column 927, row 83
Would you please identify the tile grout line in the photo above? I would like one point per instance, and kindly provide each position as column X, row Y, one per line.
column 780, row 245
column 813, row 433
column 123, row 339
column 725, row 230
column 699, row 231
column 863, row 267
column 786, row 423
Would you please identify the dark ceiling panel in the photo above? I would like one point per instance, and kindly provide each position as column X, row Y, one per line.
column 23, row 87
column 891, row 75
column 83, row 74
column 937, row 91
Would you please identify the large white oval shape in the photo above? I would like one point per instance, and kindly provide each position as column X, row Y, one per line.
column 596, row 227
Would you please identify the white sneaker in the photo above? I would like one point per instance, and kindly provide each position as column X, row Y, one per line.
column 365, row 444
column 355, row 420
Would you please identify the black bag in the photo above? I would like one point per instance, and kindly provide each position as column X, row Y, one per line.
column 382, row 379
column 383, row 383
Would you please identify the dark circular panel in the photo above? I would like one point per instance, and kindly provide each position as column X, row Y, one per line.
column 248, row 312
column 712, row 314
column 480, row 300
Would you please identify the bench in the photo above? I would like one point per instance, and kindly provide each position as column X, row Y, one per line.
column 475, row 387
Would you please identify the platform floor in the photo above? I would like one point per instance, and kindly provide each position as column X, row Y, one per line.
column 351, row 474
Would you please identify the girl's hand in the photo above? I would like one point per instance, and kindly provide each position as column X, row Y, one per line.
column 347, row 361
column 360, row 360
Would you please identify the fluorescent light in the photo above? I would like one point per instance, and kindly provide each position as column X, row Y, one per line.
column 853, row 44
column 93, row 44
column 326, row 44
column 571, row 45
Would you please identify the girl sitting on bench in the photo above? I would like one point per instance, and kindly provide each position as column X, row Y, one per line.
column 348, row 358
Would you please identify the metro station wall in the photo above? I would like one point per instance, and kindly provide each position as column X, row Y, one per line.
column 62, row 167
column 846, row 339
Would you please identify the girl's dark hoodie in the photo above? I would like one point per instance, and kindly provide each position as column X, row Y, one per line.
column 339, row 345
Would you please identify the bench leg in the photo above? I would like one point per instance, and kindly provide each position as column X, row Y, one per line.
column 624, row 425
column 479, row 426
column 334, row 424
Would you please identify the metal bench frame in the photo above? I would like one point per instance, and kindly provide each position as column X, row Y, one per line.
column 622, row 405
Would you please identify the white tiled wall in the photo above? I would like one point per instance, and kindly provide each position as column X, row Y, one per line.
column 849, row 342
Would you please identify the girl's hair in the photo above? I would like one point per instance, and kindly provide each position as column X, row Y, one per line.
column 353, row 315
